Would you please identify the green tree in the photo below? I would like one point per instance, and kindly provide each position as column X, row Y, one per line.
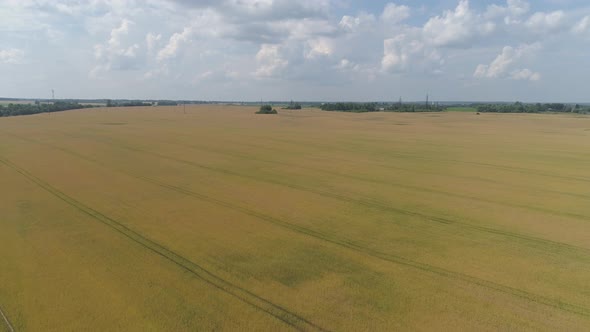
column 267, row 109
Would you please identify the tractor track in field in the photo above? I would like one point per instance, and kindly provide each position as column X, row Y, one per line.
column 365, row 202
column 242, row 294
column 327, row 194
column 394, row 184
column 475, row 163
column 370, row 204
column 348, row 244
column 404, row 156
column 322, row 147
column 6, row 321
column 370, row 180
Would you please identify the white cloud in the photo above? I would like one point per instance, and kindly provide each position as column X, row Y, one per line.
column 395, row 13
column 513, row 8
column 12, row 56
column 456, row 27
column 518, row 7
column 113, row 55
column 500, row 66
column 118, row 33
column 321, row 47
column 174, row 44
column 525, row 74
column 152, row 40
column 403, row 50
column 357, row 23
column 302, row 29
column 270, row 61
column 273, row 10
column 332, row 44
column 396, row 53
column 542, row 23
column 583, row 26
column 347, row 65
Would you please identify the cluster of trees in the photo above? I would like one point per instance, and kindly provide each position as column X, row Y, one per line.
column 413, row 107
column 293, row 106
column 380, row 107
column 519, row 107
column 350, row 107
column 133, row 103
column 37, row 107
column 130, row 103
column 267, row 109
column 167, row 103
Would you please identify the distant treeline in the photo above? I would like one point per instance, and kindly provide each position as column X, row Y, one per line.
column 134, row 103
column 519, row 107
column 293, row 106
column 380, row 107
column 28, row 109
column 104, row 101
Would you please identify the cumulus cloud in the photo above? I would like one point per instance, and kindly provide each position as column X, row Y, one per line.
column 542, row 23
column 358, row 23
column 395, row 13
column 152, row 40
column 79, row 7
column 322, row 41
column 114, row 55
column 502, row 64
column 457, row 27
column 401, row 51
column 271, row 61
column 264, row 10
column 321, row 47
column 174, row 44
column 583, row 26
column 513, row 8
column 396, row 53
column 525, row 74
column 11, row 56
column 347, row 65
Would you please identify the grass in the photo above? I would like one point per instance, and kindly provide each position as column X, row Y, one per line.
column 461, row 109
column 221, row 219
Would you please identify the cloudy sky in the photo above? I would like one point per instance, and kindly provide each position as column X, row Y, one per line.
column 485, row 50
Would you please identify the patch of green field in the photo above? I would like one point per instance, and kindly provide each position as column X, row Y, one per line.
column 220, row 219
column 461, row 109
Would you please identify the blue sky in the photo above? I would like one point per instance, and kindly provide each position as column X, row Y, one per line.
column 302, row 50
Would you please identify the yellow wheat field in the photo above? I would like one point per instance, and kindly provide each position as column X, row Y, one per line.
column 219, row 219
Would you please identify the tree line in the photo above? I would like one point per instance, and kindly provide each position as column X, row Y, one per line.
column 519, row 107
column 134, row 103
column 380, row 107
column 37, row 107
column 293, row 106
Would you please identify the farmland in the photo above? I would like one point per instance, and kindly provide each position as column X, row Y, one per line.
column 462, row 109
column 217, row 218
